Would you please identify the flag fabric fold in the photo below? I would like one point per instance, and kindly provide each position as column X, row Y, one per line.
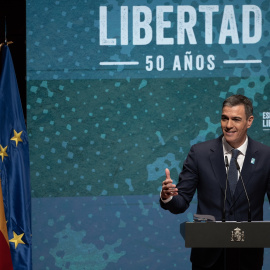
column 5, row 262
column 15, row 167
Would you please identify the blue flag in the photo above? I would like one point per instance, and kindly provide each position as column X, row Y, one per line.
column 15, row 166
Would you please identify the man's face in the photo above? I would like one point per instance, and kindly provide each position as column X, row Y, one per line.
column 234, row 124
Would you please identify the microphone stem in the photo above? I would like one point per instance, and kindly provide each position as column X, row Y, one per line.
column 249, row 212
column 225, row 196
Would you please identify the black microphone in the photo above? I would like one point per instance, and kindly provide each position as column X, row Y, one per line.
column 225, row 197
column 249, row 212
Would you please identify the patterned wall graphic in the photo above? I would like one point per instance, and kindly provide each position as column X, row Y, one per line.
column 118, row 91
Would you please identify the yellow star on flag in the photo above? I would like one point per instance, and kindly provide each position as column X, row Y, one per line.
column 17, row 137
column 3, row 152
column 17, row 239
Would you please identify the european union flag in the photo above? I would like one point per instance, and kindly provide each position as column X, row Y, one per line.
column 14, row 166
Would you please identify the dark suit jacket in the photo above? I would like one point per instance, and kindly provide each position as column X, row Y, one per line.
column 204, row 170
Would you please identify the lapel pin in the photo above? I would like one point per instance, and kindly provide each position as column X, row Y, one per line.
column 252, row 161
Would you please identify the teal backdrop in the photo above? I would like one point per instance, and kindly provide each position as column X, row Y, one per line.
column 117, row 91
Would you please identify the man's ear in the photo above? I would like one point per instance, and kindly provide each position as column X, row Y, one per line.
column 250, row 120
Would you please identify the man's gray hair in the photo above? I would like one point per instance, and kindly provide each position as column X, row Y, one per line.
column 239, row 100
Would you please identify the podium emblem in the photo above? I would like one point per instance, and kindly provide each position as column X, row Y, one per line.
column 238, row 235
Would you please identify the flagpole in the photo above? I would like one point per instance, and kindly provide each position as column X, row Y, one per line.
column 5, row 42
column 5, row 30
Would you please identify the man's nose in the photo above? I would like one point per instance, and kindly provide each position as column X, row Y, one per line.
column 229, row 124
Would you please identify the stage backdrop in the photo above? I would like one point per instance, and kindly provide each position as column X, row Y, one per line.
column 116, row 92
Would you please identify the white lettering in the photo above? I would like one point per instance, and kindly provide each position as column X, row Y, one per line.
column 210, row 59
column 139, row 25
column 176, row 63
column 161, row 24
column 208, row 10
column 200, row 62
column 266, row 115
column 188, row 61
column 266, row 123
column 103, row 28
column 149, row 63
column 124, row 25
column 160, row 63
column 183, row 26
column 247, row 38
column 228, row 26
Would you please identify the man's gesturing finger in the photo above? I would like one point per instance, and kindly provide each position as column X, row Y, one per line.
column 168, row 175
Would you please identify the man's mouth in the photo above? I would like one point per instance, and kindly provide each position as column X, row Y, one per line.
column 230, row 131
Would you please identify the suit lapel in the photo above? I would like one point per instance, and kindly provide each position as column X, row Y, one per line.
column 218, row 166
column 247, row 169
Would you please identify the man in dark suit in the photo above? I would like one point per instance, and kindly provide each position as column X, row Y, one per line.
column 204, row 170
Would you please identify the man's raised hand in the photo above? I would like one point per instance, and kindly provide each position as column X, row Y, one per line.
column 168, row 188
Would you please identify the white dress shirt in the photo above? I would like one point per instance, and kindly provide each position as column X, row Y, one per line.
column 227, row 151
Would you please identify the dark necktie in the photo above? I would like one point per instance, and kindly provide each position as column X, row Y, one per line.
column 233, row 173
